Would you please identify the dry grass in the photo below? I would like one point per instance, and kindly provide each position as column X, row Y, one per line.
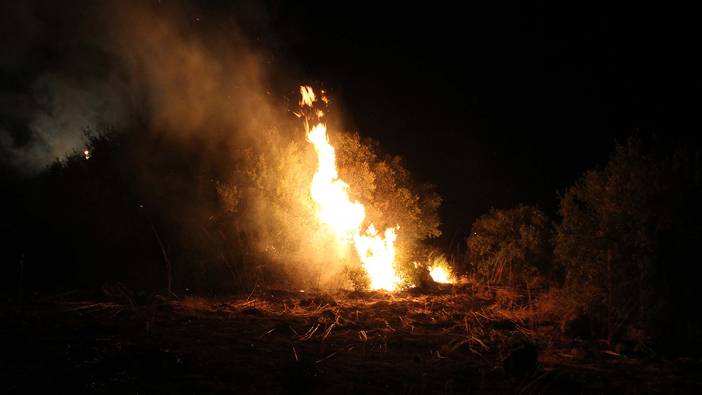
column 451, row 339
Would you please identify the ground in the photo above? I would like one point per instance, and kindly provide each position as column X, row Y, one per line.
column 451, row 340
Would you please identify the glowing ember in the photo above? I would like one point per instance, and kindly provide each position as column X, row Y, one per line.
column 343, row 216
column 86, row 154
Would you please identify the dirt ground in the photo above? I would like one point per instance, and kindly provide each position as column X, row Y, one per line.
column 450, row 340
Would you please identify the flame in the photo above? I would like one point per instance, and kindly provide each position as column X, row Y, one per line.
column 440, row 274
column 439, row 269
column 378, row 255
column 331, row 193
column 343, row 216
column 307, row 96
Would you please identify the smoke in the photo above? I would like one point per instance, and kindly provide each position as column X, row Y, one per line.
column 202, row 85
column 53, row 85
column 63, row 111
column 200, row 97
column 179, row 69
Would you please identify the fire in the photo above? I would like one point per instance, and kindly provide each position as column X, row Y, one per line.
column 439, row 270
column 440, row 274
column 345, row 218
column 378, row 255
column 308, row 96
column 331, row 193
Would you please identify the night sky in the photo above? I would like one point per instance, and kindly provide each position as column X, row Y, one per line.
column 506, row 103
column 495, row 104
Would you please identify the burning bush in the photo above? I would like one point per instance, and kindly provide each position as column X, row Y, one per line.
column 276, row 185
column 390, row 194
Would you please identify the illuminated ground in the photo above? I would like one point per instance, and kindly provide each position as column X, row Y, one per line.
column 449, row 341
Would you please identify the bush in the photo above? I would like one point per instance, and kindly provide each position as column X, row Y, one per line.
column 628, row 236
column 269, row 199
column 511, row 246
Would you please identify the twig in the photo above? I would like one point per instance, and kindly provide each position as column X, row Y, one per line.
column 96, row 306
column 240, row 305
column 267, row 333
column 308, row 335
column 166, row 260
column 252, row 291
column 327, row 357
column 485, row 347
column 328, row 331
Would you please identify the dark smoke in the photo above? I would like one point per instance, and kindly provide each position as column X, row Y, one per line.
column 70, row 67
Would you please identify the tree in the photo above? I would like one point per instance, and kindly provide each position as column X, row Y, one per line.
column 269, row 194
column 626, row 234
column 511, row 246
column 391, row 196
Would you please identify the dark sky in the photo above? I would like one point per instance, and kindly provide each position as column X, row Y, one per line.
column 502, row 103
column 496, row 104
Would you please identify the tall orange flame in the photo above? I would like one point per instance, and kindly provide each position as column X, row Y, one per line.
column 344, row 217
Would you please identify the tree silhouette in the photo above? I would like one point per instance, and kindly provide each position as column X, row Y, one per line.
column 627, row 237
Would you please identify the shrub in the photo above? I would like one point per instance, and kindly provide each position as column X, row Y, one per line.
column 628, row 236
column 511, row 246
